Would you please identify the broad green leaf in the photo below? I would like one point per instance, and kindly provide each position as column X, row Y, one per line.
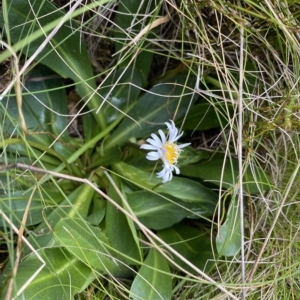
column 16, row 207
column 98, row 159
column 34, row 151
column 153, row 281
column 19, row 183
column 120, row 90
column 90, row 245
column 191, row 243
column 191, row 156
column 74, row 205
column 15, row 203
column 62, row 277
column 132, row 17
column 90, row 130
column 66, row 54
column 163, row 102
column 202, row 199
column 226, row 175
column 155, row 211
column 44, row 107
column 98, row 209
column 228, row 241
column 136, row 158
column 205, row 116
column 120, row 229
column 39, row 96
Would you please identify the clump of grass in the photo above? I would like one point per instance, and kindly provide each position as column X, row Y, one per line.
column 270, row 135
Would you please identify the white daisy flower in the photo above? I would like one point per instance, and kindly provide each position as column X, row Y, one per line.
column 166, row 149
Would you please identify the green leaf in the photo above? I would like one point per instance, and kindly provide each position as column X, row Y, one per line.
column 44, row 107
column 159, row 105
column 46, row 101
column 192, row 244
column 74, row 205
column 66, row 54
column 226, row 175
column 15, row 208
column 35, row 152
column 157, row 212
column 122, row 88
column 228, row 241
column 120, row 229
column 61, row 278
column 153, row 281
column 113, row 156
column 98, row 210
column 202, row 199
column 191, row 156
column 132, row 17
column 205, row 116
column 16, row 204
column 90, row 245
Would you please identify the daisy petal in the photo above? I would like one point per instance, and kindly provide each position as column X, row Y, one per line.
column 171, row 124
column 167, row 177
column 177, row 171
column 163, row 136
column 177, row 137
column 149, row 147
column 156, row 138
column 161, row 173
column 153, row 156
column 183, row 145
column 154, row 143
column 173, row 131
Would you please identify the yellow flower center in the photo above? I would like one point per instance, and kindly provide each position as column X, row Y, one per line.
column 171, row 153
